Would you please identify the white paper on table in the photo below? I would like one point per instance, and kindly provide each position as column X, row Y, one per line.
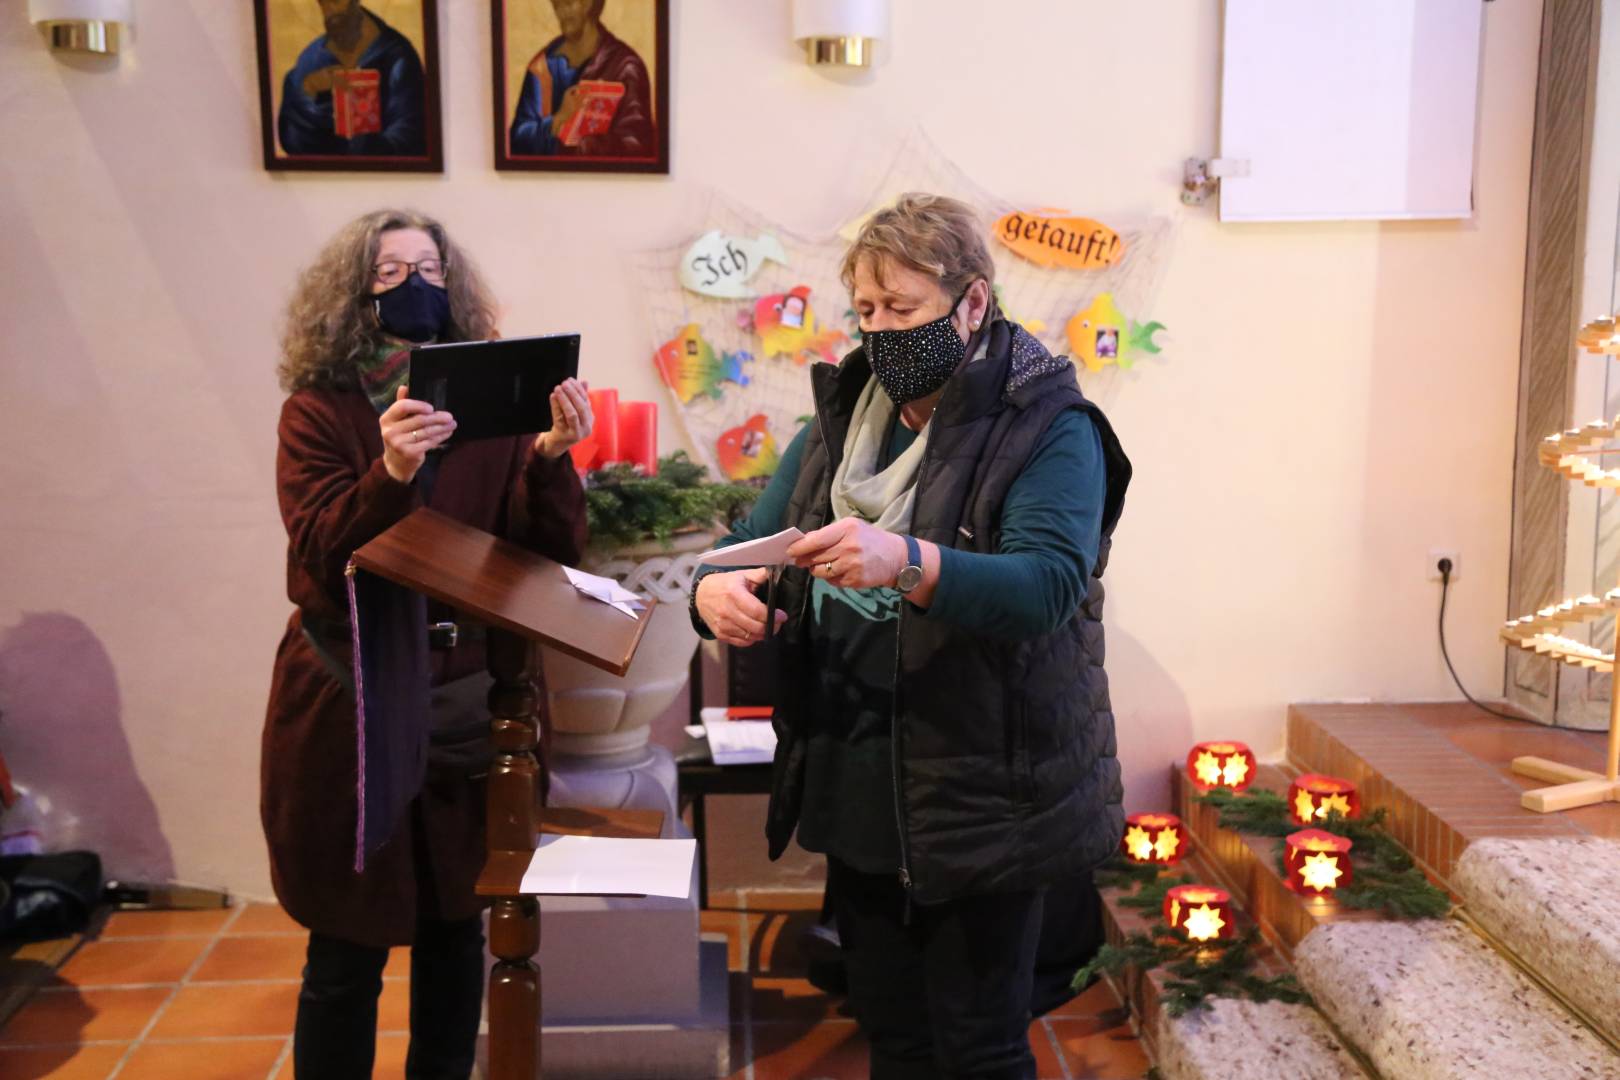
column 766, row 551
column 608, row 591
column 741, row 742
column 610, row 866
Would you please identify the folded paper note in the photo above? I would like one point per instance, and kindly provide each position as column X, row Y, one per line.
column 738, row 742
column 608, row 591
column 610, row 866
column 766, row 551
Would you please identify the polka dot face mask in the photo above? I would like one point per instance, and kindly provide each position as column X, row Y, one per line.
column 911, row 364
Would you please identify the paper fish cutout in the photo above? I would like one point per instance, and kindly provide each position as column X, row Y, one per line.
column 1102, row 335
column 1073, row 243
column 748, row 451
column 720, row 265
column 690, row 366
column 786, row 326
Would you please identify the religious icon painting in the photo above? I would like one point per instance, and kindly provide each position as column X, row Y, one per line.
column 581, row 85
column 349, row 85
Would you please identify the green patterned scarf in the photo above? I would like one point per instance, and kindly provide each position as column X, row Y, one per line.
column 384, row 374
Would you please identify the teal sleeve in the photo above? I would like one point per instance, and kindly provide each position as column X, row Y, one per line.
column 1051, row 525
column 767, row 516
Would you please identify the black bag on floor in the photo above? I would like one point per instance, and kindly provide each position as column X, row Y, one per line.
column 48, row 896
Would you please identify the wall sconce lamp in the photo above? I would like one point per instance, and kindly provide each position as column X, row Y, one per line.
column 91, row 26
column 841, row 32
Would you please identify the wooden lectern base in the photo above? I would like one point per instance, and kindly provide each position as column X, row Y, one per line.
column 1571, row 788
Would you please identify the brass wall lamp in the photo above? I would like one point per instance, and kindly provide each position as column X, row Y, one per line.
column 840, row 32
column 90, row 26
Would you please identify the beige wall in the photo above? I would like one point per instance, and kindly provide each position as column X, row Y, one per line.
column 1339, row 398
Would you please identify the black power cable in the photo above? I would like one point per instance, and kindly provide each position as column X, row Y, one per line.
column 1445, row 589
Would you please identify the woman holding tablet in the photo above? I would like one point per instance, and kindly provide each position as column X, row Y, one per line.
column 352, row 460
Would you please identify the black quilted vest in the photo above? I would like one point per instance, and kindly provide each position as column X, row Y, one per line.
column 1005, row 768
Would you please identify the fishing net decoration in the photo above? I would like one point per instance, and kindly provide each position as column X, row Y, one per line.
column 745, row 405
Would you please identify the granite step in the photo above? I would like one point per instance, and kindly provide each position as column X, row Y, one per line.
column 1231, row 1039
column 1430, row 1000
column 1555, row 904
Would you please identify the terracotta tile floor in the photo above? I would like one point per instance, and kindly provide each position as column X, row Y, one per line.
column 211, row 996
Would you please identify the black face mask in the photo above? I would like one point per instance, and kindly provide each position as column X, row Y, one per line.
column 413, row 310
column 911, row 364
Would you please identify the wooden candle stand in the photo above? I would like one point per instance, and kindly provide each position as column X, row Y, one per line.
column 1569, row 453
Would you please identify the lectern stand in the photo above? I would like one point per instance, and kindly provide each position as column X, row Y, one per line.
column 526, row 600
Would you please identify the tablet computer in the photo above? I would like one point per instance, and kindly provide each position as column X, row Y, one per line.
column 494, row 388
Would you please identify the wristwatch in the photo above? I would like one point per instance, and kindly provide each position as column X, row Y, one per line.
column 911, row 574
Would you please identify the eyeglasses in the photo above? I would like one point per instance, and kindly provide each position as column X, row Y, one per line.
column 392, row 273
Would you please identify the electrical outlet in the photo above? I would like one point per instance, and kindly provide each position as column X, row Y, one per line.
column 1433, row 566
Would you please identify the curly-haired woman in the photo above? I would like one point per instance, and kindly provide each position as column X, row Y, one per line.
column 352, row 461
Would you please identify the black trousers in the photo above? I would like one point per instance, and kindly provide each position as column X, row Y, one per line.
column 335, row 1037
column 947, row 992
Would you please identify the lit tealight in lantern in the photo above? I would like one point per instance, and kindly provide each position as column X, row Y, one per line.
column 1228, row 765
column 1318, row 862
column 1199, row 912
column 1312, row 797
column 1154, row 838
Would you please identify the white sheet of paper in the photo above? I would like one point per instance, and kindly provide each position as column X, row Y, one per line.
column 766, row 551
column 608, row 591
column 741, row 742
column 608, row 866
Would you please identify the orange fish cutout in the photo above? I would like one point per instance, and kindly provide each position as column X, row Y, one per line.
column 748, row 451
column 787, row 327
column 692, row 368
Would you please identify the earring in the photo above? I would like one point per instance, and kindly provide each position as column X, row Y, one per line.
column 975, row 324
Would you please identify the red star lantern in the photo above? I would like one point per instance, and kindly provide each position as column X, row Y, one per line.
column 1199, row 912
column 1228, row 765
column 1160, row 839
column 1318, row 862
column 1312, row 797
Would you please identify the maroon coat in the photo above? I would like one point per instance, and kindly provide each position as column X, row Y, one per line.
column 336, row 495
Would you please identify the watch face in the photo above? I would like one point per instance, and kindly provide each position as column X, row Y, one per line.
column 910, row 577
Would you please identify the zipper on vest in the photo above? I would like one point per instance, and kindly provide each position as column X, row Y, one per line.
column 894, row 760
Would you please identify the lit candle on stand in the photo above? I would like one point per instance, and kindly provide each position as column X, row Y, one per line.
column 1154, row 838
column 1318, row 861
column 1312, row 797
column 1228, row 765
column 1199, row 912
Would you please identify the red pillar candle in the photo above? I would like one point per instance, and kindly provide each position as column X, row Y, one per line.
column 1228, row 765
column 1154, row 838
column 1199, row 912
column 1312, row 797
column 1318, row 862
column 638, row 435
column 602, row 446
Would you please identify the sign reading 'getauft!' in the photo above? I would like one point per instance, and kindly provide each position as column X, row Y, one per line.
column 1071, row 242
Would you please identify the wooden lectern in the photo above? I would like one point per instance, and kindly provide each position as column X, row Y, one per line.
column 526, row 601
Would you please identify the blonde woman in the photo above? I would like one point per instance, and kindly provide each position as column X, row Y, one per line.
column 944, row 732
column 352, row 460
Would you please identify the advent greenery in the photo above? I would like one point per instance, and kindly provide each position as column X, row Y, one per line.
column 624, row 507
column 1386, row 880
